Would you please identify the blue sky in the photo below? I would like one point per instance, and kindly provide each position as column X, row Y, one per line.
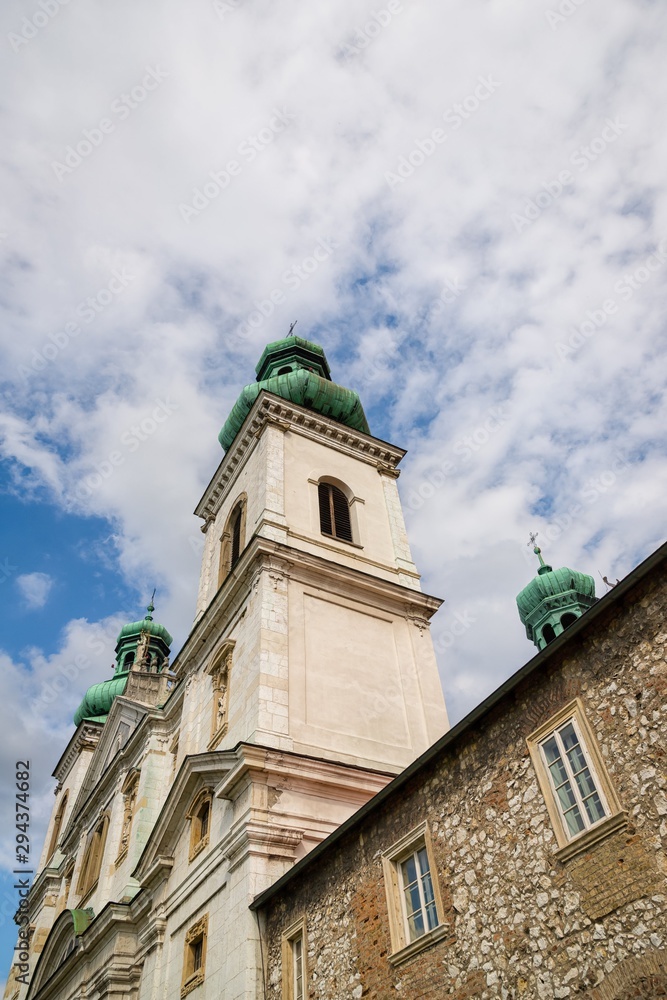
column 485, row 183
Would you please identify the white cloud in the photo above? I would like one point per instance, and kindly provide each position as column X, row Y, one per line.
column 113, row 405
column 35, row 588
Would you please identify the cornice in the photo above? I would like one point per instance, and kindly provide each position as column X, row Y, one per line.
column 269, row 409
column 264, row 554
column 91, row 798
column 210, row 767
column 86, row 737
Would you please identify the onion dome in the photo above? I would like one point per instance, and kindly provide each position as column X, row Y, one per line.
column 554, row 599
column 297, row 370
column 143, row 646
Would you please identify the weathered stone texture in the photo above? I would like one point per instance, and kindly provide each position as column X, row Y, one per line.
column 521, row 923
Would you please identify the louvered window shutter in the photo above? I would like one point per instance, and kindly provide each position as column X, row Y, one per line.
column 334, row 512
column 236, row 537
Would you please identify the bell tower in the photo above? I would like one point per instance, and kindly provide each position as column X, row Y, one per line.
column 307, row 572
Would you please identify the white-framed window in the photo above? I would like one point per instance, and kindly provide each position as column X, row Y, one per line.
column 573, row 780
column 294, row 973
column 413, row 895
column 419, row 909
column 578, row 793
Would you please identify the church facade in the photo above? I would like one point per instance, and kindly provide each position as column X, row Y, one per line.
column 307, row 682
column 282, row 812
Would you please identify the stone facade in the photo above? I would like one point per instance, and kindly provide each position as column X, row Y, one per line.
column 520, row 916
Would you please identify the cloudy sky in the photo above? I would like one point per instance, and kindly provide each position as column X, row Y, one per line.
column 485, row 182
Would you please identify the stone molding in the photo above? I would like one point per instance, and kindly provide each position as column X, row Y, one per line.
column 86, row 737
column 276, row 412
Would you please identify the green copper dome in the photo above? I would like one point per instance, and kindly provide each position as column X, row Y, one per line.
column 552, row 600
column 99, row 698
column 142, row 645
column 297, row 370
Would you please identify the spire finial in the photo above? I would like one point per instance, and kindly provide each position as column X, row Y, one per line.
column 292, row 325
column 536, row 549
column 151, row 607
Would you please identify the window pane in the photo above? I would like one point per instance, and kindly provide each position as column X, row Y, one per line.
column 297, row 952
column 575, row 823
column 431, row 915
column 566, row 796
column 568, row 736
column 558, row 772
column 416, row 925
column 576, row 758
column 585, row 783
column 409, row 870
column 594, row 807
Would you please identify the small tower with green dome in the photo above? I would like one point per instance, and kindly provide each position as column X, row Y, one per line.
column 553, row 600
column 141, row 646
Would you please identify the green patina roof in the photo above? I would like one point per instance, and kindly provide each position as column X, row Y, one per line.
column 306, row 383
column 99, row 698
column 551, row 582
column 134, row 629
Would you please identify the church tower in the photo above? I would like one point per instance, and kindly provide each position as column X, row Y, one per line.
column 553, row 600
column 307, row 569
column 307, row 682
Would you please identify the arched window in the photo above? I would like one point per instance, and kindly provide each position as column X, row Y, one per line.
column 334, row 512
column 128, row 661
column 57, row 825
column 93, row 854
column 548, row 633
column 568, row 619
column 232, row 541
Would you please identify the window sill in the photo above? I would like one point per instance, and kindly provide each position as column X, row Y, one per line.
column 343, row 541
column 425, row 941
column 592, row 836
column 190, row 984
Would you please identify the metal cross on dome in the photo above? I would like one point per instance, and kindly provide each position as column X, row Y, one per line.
column 533, row 536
